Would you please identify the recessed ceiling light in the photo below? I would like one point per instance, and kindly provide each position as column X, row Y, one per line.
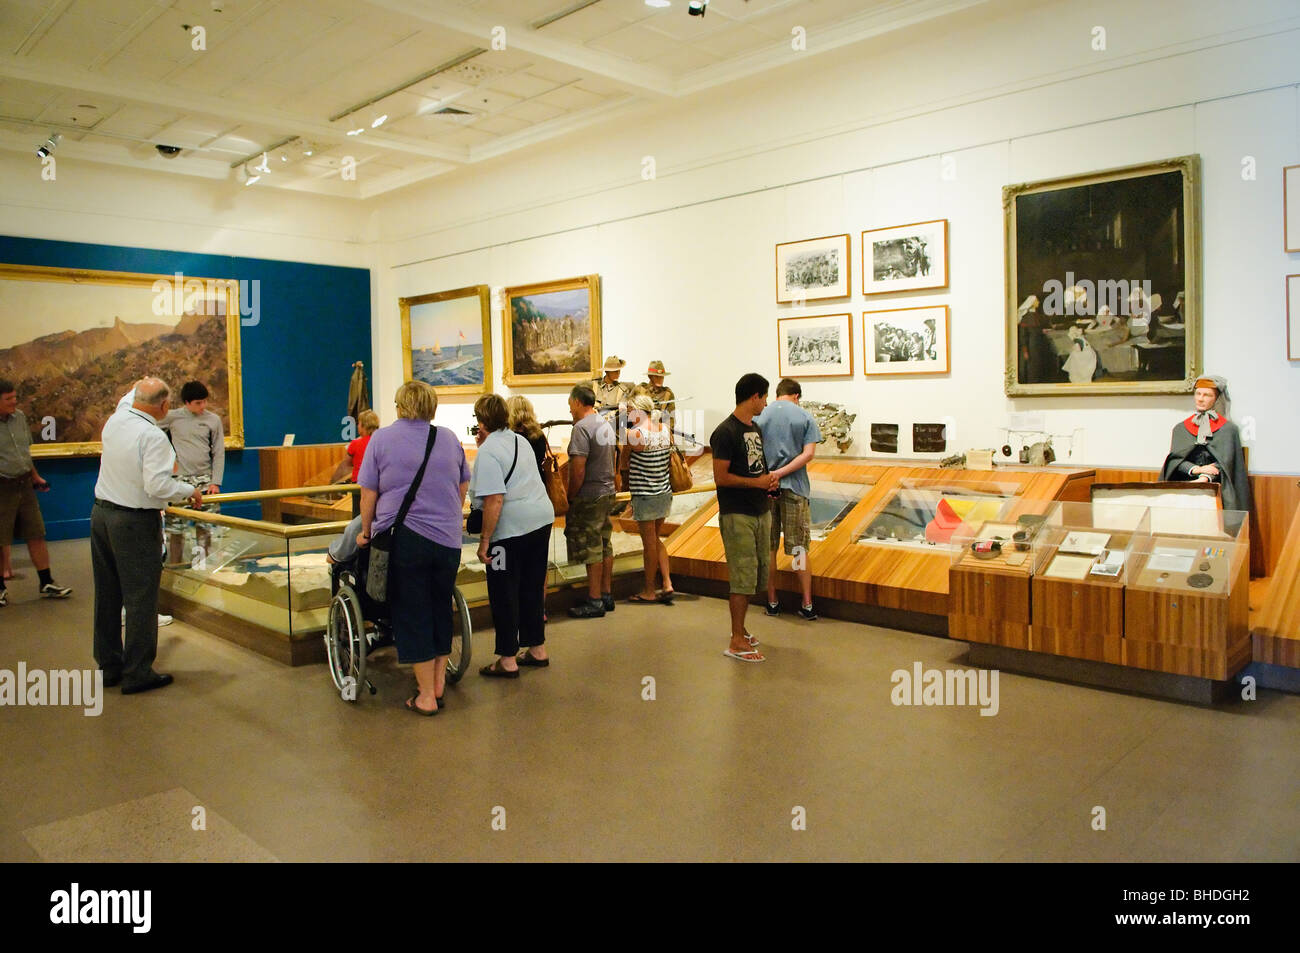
column 658, row 3
column 379, row 121
column 307, row 152
column 355, row 132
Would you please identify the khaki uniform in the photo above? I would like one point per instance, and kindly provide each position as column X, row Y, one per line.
column 663, row 397
column 609, row 396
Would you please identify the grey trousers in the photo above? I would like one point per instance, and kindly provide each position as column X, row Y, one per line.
column 126, row 556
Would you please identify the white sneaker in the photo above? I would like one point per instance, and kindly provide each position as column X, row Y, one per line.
column 162, row 619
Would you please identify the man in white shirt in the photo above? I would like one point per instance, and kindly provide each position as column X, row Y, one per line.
column 135, row 483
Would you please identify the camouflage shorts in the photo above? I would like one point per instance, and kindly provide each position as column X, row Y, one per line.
column 792, row 518
column 587, row 530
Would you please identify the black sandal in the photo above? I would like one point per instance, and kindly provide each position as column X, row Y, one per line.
column 496, row 671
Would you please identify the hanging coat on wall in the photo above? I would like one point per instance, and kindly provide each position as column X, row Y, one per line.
column 358, row 393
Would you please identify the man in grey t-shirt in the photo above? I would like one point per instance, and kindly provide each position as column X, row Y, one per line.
column 587, row 528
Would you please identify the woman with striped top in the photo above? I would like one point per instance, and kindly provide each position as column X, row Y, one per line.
column 648, row 447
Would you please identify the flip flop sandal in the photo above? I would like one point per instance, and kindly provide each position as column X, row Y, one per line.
column 528, row 659
column 666, row 597
column 412, row 706
column 750, row 656
column 496, row 671
column 641, row 599
column 753, row 642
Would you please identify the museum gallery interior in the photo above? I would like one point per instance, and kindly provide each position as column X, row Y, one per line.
column 1035, row 266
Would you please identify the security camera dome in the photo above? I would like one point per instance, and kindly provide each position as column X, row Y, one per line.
column 168, row 152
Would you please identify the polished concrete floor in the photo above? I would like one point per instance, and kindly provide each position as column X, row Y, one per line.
column 579, row 766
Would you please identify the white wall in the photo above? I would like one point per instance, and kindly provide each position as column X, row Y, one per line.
column 852, row 140
column 106, row 205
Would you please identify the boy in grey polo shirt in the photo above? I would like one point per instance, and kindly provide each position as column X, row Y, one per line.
column 199, row 439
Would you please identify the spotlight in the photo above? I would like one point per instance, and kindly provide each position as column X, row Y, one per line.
column 250, row 175
column 659, row 4
column 379, row 121
column 50, row 145
column 697, row 8
column 168, row 152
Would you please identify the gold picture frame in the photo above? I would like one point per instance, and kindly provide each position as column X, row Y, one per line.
column 1116, row 258
column 444, row 316
column 907, row 341
column 63, row 326
column 537, row 353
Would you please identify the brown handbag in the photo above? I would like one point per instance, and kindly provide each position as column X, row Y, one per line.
column 679, row 474
column 555, row 478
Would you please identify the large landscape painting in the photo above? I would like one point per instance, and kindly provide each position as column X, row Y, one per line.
column 74, row 341
column 552, row 332
column 447, row 340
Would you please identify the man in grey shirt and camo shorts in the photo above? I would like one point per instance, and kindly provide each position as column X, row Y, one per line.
column 587, row 528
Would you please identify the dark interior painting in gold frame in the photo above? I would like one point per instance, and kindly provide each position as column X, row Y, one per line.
column 74, row 341
column 1103, row 282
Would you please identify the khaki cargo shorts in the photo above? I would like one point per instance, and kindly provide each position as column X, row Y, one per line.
column 587, row 530
column 20, row 515
column 745, row 539
column 792, row 518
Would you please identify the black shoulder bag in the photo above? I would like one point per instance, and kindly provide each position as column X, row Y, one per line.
column 474, row 522
column 381, row 546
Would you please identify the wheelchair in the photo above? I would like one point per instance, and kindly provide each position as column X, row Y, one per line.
column 359, row 626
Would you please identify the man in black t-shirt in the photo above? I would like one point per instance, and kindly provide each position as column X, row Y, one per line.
column 743, row 482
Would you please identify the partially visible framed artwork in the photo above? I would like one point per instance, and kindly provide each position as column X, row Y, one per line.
column 1291, row 207
column 447, row 340
column 906, row 341
column 74, row 341
column 552, row 332
column 1103, row 282
column 1293, row 317
column 815, row 346
column 813, row 269
column 905, row 258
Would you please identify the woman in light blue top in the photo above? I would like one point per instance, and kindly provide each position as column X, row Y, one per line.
column 517, row 518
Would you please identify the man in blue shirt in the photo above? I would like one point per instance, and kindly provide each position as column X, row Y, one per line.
column 790, row 438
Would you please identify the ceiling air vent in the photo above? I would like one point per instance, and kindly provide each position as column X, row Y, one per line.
column 450, row 111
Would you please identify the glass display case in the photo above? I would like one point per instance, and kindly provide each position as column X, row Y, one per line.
column 1088, row 542
column 830, row 502
column 1186, row 608
column 938, row 515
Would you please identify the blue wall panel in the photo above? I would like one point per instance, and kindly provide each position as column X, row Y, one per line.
column 314, row 321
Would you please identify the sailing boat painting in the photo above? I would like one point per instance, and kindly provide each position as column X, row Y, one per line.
column 447, row 340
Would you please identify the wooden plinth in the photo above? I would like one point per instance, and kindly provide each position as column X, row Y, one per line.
column 307, row 649
column 1080, row 619
column 1190, row 633
column 988, row 605
column 1199, row 690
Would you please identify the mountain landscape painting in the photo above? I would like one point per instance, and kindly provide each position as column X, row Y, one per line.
column 553, row 332
column 74, row 342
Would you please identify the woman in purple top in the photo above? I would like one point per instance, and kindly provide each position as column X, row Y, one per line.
column 426, row 549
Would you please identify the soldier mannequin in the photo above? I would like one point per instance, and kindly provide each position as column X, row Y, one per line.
column 611, row 394
column 665, row 400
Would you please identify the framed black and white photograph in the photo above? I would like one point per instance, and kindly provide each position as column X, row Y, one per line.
column 1291, row 207
column 906, row 341
column 1293, row 317
column 905, row 258
column 813, row 270
column 1103, row 282
column 815, row 346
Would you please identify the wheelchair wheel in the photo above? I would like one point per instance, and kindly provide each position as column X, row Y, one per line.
column 345, row 643
column 458, row 661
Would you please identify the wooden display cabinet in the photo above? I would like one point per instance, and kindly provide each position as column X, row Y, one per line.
column 1078, row 606
column 1186, row 608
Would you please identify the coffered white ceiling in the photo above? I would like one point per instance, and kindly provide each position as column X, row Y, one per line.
column 458, row 80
